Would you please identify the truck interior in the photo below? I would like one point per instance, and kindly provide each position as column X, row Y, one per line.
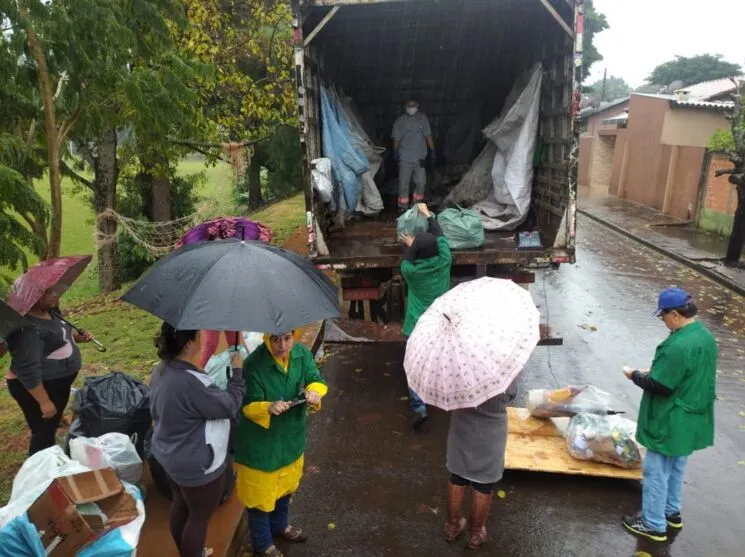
column 459, row 59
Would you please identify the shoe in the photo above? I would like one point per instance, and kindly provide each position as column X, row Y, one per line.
column 480, row 506
column 635, row 525
column 456, row 522
column 273, row 551
column 674, row 521
column 293, row 534
column 421, row 417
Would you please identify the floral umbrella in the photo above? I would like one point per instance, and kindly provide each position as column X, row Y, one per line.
column 471, row 344
column 226, row 227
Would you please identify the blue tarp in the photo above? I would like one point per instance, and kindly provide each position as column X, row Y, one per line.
column 348, row 162
column 19, row 538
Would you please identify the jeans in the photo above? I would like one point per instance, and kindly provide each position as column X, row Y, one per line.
column 43, row 430
column 416, row 404
column 661, row 487
column 264, row 526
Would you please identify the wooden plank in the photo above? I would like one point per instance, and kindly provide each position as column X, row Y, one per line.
column 537, row 445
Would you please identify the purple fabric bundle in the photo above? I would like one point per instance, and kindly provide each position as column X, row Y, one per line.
column 227, row 227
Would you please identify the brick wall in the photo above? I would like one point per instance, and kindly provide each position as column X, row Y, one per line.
column 720, row 196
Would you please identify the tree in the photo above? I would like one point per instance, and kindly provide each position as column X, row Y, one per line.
column 614, row 88
column 694, row 69
column 734, row 144
column 595, row 22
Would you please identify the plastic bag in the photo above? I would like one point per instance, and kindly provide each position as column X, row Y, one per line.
column 608, row 439
column 114, row 403
column 112, row 450
column 462, row 228
column 568, row 401
column 34, row 477
column 411, row 223
column 322, row 179
column 217, row 365
column 20, row 538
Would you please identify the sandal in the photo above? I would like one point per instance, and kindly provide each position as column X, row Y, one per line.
column 294, row 534
column 271, row 552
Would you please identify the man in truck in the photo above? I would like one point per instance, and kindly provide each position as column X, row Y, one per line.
column 412, row 136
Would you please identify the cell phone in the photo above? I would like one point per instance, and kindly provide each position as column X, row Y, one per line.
column 298, row 401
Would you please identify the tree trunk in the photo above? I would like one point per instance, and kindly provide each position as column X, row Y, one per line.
column 52, row 133
column 737, row 238
column 106, row 173
column 161, row 198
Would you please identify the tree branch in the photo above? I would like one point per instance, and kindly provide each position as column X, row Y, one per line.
column 67, row 170
column 723, row 171
column 88, row 157
column 67, row 125
column 210, row 145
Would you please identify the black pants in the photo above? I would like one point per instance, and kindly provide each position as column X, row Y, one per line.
column 43, row 431
column 462, row 482
column 190, row 513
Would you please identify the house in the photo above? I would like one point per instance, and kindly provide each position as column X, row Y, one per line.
column 654, row 151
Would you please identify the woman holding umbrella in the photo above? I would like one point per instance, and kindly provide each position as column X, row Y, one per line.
column 464, row 357
column 283, row 382
column 45, row 359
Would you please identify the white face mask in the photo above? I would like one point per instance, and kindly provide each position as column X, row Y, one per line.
column 411, row 110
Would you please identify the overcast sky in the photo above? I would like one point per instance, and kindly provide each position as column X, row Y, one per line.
column 646, row 33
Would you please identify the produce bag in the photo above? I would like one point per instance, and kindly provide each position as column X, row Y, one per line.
column 111, row 450
column 114, row 403
column 462, row 228
column 411, row 223
column 568, row 401
column 608, row 439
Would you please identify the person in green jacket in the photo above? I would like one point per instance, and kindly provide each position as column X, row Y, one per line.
column 676, row 415
column 426, row 270
column 271, row 435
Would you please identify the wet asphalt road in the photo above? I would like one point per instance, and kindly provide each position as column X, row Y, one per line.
column 373, row 487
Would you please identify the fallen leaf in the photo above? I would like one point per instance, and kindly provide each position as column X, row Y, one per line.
column 331, row 526
column 741, row 413
column 359, row 369
column 312, row 470
column 403, row 398
column 387, row 374
column 642, row 554
column 434, row 510
column 741, row 463
column 742, row 427
column 501, row 494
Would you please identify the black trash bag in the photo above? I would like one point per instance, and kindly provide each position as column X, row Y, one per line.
column 115, row 403
column 160, row 477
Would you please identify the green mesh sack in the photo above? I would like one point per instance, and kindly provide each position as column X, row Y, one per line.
column 462, row 228
column 411, row 223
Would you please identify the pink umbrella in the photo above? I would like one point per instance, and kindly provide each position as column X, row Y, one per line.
column 58, row 273
column 471, row 343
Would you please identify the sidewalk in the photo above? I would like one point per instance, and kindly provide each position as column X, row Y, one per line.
column 675, row 238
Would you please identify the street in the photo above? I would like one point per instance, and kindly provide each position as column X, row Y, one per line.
column 373, row 487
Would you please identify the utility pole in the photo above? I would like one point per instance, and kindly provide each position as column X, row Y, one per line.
column 602, row 91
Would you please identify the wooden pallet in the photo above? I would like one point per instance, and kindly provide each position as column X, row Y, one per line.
column 537, row 445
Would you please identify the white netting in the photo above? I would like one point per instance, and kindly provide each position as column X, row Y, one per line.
column 157, row 238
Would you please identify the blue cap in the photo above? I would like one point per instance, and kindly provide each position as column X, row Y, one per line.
column 672, row 298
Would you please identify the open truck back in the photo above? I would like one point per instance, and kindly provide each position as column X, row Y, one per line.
column 450, row 56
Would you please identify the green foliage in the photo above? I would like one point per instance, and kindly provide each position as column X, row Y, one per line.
column 595, row 22
column 694, row 69
column 283, row 163
column 615, row 88
column 722, row 140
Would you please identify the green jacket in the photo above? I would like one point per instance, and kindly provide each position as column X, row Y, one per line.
column 427, row 279
column 677, row 425
column 284, row 442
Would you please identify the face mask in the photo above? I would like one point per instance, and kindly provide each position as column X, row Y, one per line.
column 411, row 110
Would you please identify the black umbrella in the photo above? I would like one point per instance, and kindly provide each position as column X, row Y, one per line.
column 11, row 320
column 235, row 285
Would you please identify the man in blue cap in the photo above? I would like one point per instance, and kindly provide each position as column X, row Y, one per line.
column 676, row 415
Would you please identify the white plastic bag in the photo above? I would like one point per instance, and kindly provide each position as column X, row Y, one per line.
column 34, row 478
column 608, row 439
column 111, row 450
column 568, row 401
column 217, row 365
column 321, row 178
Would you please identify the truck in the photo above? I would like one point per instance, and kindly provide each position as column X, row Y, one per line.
column 450, row 56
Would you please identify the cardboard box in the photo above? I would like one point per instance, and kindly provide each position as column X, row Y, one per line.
column 64, row 528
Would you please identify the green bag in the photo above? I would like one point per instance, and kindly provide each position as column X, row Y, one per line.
column 462, row 228
column 411, row 223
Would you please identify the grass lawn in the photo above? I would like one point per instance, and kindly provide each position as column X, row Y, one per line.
column 126, row 331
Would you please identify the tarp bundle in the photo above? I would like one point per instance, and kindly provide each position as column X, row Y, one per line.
column 499, row 182
column 354, row 159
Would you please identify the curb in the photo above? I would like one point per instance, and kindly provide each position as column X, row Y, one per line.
column 713, row 275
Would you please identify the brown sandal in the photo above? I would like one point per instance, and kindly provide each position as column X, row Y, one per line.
column 294, row 534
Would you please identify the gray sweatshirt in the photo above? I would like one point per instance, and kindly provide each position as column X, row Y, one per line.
column 43, row 352
column 192, row 421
